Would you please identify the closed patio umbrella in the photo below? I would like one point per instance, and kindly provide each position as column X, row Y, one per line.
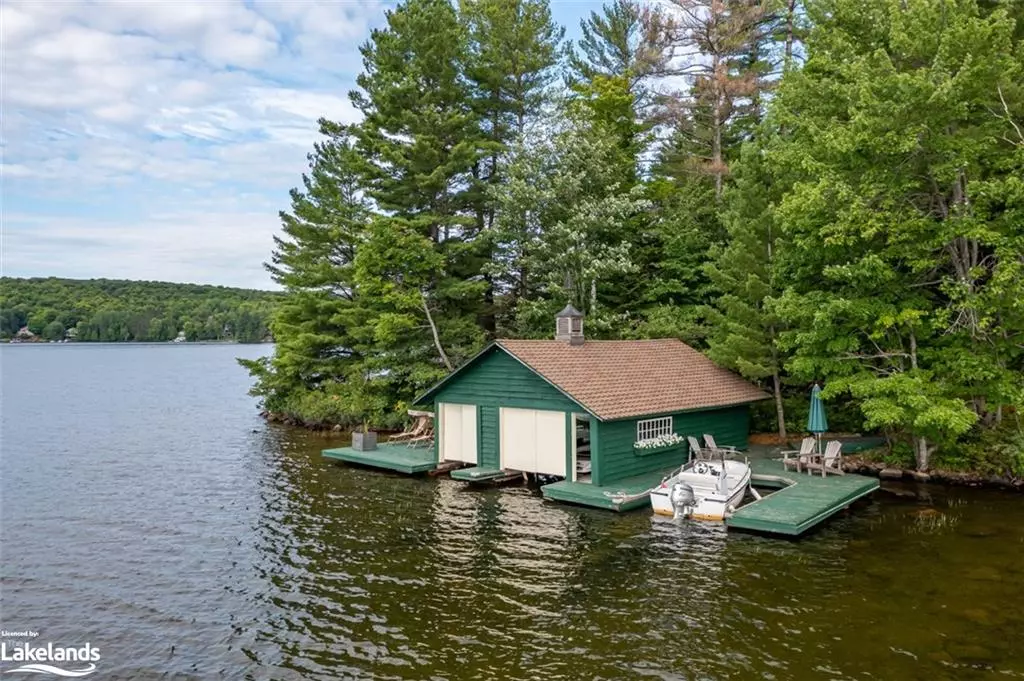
column 817, row 423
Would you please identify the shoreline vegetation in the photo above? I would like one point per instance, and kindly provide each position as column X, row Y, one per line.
column 819, row 191
column 120, row 311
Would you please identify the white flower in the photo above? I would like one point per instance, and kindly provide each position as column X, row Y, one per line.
column 659, row 441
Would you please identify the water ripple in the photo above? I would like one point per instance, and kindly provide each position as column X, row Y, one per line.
column 189, row 540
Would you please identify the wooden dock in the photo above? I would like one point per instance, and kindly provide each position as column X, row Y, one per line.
column 397, row 457
column 604, row 496
column 801, row 502
column 485, row 474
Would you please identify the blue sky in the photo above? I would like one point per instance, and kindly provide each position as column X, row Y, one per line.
column 158, row 139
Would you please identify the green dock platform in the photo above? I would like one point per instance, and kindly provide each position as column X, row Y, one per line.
column 397, row 457
column 801, row 502
column 482, row 474
column 600, row 496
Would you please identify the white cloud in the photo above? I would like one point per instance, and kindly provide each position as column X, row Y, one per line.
column 132, row 106
column 226, row 248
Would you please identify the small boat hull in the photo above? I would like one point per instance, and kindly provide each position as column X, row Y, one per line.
column 710, row 502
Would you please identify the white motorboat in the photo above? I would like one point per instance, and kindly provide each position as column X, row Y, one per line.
column 703, row 489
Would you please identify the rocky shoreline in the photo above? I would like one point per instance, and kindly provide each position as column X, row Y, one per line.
column 878, row 469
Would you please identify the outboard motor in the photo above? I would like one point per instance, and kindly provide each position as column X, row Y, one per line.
column 683, row 500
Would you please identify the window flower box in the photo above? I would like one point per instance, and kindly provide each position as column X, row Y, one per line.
column 656, row 445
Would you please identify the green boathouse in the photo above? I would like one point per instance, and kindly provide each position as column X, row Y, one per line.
column 576, row 408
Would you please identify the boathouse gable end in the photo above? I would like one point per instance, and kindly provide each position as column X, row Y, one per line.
column 491, row 381
column 619, row 459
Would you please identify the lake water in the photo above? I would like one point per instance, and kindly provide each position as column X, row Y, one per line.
column 148, row 511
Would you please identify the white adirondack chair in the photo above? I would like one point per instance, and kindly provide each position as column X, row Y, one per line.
column 714, row 449
column 829, row 462
column 796, row 458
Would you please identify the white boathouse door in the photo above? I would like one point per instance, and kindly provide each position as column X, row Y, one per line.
column 458, row 432
column 533, row 441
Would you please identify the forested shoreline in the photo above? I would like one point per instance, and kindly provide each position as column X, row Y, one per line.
column 809, row 191
column 112, row 310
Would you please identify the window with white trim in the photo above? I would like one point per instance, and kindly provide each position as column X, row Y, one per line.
column 651, row 428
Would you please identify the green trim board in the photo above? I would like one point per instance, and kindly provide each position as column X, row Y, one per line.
column 397, row 457
column 806, row 501
column 487, row 447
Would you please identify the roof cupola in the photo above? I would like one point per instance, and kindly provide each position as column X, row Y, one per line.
column 569, row 325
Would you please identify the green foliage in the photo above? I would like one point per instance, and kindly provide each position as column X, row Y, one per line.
column 897, row 163
column 562, row 218
column 855, row 222
column 111, row 310
column 620, row 41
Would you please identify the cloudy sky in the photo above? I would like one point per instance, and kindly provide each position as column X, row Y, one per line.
column 157, row 139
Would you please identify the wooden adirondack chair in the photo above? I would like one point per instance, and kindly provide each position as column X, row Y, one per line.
column 712, row 448
column 829, row 462
column 696, row 451
column 419, row 426
column 426, row 438
column 796, row 458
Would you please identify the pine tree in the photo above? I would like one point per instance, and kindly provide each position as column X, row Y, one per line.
column 623, row 40
column 420, row 140
column 514, row 48
column 314, row 325
column 720, row 46
column 743, row 330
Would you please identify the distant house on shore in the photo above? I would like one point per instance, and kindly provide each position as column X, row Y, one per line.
column 71, row 334
column 180, row 338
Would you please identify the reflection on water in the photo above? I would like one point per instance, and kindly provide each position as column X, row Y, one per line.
column 147, row 510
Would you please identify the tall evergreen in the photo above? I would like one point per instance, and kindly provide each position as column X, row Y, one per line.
column 625, row 39
column 315, row 324
column 514, row 48
column 743, row 330
column 420, row 140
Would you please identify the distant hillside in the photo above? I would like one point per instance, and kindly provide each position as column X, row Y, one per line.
column 118, row 310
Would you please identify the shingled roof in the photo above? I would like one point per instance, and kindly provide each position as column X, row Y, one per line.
column 622, row 379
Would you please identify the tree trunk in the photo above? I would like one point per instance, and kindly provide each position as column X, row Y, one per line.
column 923, row 452
column 780, row 412
column 433, row 330
column 716, row 140
column 790, row 20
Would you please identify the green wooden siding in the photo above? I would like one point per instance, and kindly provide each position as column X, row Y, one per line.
column 618, row 459
column 498, row 380
column 487, row 436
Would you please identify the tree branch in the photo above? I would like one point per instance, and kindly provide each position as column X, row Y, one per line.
column 433, row 330
column 1009, row 118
